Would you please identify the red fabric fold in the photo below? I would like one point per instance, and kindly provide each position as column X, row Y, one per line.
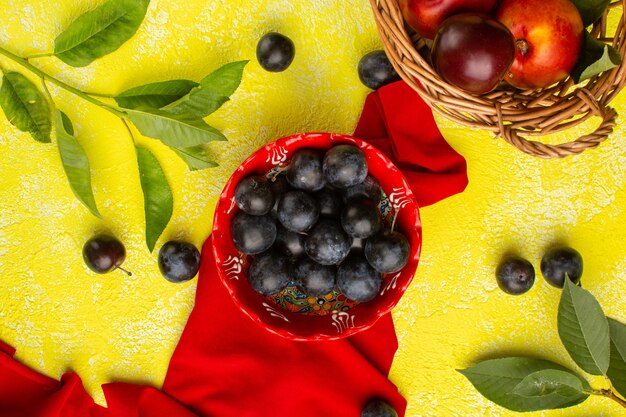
column 225, row 365
column 27, row 393
column 399, row 123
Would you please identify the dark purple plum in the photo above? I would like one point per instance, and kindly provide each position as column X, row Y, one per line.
column 327, row 243
column 103, row 253
column 515, row 275
column 344, row 166
column 178, row 261
column 560, row 261
column 252, row 234
column 289, row 243
column 473, row 52
column 378, row 408
column 330, row 203
column 368, row 189
column 305, row 170
column 254, row 195
column 269, row 272
column 356, row 278
column 361, row 219
column 298, row 211
column 314, row 279
column 375, row 70
column 387, row 252
column 275, row 52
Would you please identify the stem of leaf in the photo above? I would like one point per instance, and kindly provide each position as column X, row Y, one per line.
column 130, row 132
column 609, row 394
column 41, row 55
column 118, row 112
column 51, row 105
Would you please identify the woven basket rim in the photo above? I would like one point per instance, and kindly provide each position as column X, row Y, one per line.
column 510, row 113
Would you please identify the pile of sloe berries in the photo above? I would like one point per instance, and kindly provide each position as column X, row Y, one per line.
column 317, row 223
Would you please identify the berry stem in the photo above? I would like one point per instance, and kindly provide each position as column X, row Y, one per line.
column 24, row 62
column 130, row 274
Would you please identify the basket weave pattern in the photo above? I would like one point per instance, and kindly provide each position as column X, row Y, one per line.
column 510, row 113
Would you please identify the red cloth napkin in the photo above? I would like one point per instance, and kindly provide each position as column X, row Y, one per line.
column 225, row 365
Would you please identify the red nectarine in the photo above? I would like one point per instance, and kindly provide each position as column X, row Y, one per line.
column 548, row 38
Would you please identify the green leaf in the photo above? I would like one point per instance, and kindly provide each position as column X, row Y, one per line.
column 195, row 157
column 583, row 329
column 75, row 163
column 25, row 107
column 178, row 131
column 155, row 95
column 213, row 91
column 157, row 195
column 590, row 10
column 199, row 103
column 617, row 368
column 596, row 57
column 550, row 381
column 67, row 123
column 508, row 382
column 225, row 80
column 100, row 31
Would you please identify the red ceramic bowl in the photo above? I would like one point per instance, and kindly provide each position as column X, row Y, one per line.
column 290, row 313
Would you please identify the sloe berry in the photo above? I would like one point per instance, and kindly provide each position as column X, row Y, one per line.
column 252, row 234
column 269, row 272
column 515, row 275
column 327, row 243
column 344, row 166
column 254, row 195
column 298, row 211
column 357, row 280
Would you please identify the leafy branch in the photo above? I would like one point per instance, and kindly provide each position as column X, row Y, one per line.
column 171, row 111
column 596, row 343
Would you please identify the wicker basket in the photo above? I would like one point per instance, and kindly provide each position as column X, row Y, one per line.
column 509, row 113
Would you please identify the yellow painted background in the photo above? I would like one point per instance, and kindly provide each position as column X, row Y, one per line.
column 61, row 317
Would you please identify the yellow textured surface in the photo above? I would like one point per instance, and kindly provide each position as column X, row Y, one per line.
column 62, row 317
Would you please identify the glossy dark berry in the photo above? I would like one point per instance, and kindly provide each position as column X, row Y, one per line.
column 305, row 170
column 375, row 70
column 344, row 166
column 254, row 195
column 560, row 261
column 357, row 280
column 298, row 211
column 279, row 185
column 387, row 252
column 330, row 203
column 252, row 234
column 269, row 272
column 179, row 261
column 104, row 253
column 327, row 243
column 314, row 279
column 378, row 408
column 289, row 243
column 361, row 219
column 368, row 189
column 275, row 52
column 515, row 275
